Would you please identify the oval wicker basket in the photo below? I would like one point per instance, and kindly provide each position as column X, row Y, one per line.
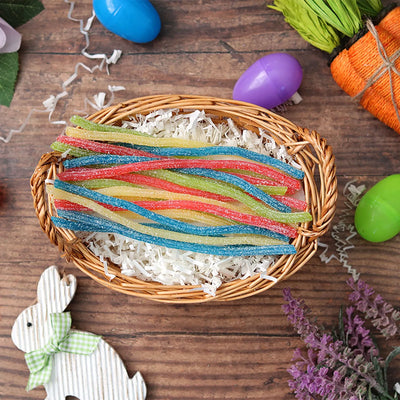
column 308, row 148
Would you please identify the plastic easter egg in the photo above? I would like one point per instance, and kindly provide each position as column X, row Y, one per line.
column 377, row 216
column 135, row 20
column 270, row 81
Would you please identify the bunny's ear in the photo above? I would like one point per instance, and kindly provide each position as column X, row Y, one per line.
column 53, row 292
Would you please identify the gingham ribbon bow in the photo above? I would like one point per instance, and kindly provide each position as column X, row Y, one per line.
column 40, row 361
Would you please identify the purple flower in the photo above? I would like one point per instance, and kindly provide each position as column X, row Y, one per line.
column 357, row 336
column 297, row 313
column 332, row 370
column 383, row 315
column 311, row 380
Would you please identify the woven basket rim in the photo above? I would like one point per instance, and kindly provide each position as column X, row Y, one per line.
column 308, row 148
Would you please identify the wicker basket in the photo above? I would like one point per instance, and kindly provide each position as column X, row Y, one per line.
column 309, row 149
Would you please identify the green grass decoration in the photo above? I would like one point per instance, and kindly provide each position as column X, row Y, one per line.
column 323, row 23
column 310, row 27
column 370, row 8
column 344, row 16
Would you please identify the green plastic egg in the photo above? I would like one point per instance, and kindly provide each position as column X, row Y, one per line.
column 377, row 216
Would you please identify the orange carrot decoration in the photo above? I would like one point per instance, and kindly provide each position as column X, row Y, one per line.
column 368, row 67
column 369, row 72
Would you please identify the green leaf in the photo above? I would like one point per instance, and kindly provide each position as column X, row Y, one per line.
column 8, row 76
column 394, row 353
column 18, row 12
column 379, row 373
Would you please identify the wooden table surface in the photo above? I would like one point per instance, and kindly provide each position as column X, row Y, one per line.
column 234, row 350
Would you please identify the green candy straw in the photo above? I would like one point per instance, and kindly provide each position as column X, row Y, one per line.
column 72, row 150
column 93, row 126
column 229, row 190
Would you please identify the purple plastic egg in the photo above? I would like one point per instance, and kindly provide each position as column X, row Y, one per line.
column 270, row 81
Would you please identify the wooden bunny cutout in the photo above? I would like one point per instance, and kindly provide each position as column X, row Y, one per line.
column 58, row 362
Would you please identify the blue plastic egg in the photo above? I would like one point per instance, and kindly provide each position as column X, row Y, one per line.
column 270, row 81
column 135, row 20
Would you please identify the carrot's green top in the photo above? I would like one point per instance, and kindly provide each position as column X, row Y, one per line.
column 323, row 23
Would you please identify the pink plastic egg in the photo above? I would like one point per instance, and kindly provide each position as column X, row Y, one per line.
column 270, row 81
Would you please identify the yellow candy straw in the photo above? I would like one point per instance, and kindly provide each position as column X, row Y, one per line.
column 257, row 240
column 182, row 215
column 132, row 138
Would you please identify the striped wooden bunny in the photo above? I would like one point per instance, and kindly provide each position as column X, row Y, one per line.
column 69, row 362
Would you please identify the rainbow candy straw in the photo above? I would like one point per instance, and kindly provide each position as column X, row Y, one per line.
column 198, row 183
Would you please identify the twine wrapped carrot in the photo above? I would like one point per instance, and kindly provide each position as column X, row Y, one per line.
column 369, row 70
column 367, row 66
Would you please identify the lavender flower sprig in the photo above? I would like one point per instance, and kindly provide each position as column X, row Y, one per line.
column 383, row 315
column 347, row 367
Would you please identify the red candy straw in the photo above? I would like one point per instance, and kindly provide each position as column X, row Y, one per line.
column 291, row 202
column 79, row 174
column 104, row 148
column 221, row 212
column 262, row 181
column 169, row 186
column 70, row 206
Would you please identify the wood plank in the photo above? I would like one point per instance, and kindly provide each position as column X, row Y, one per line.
column 234, row 350
column 190, row 366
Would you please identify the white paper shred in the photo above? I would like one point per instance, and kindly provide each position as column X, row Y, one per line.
column 397, row 387
column 177, row 267
column 51, row 102
column 344, row 231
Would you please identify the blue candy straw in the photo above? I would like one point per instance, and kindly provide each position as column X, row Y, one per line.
column 235, row 229
column 223, row 150
column 104, row 159
column 89, row 223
